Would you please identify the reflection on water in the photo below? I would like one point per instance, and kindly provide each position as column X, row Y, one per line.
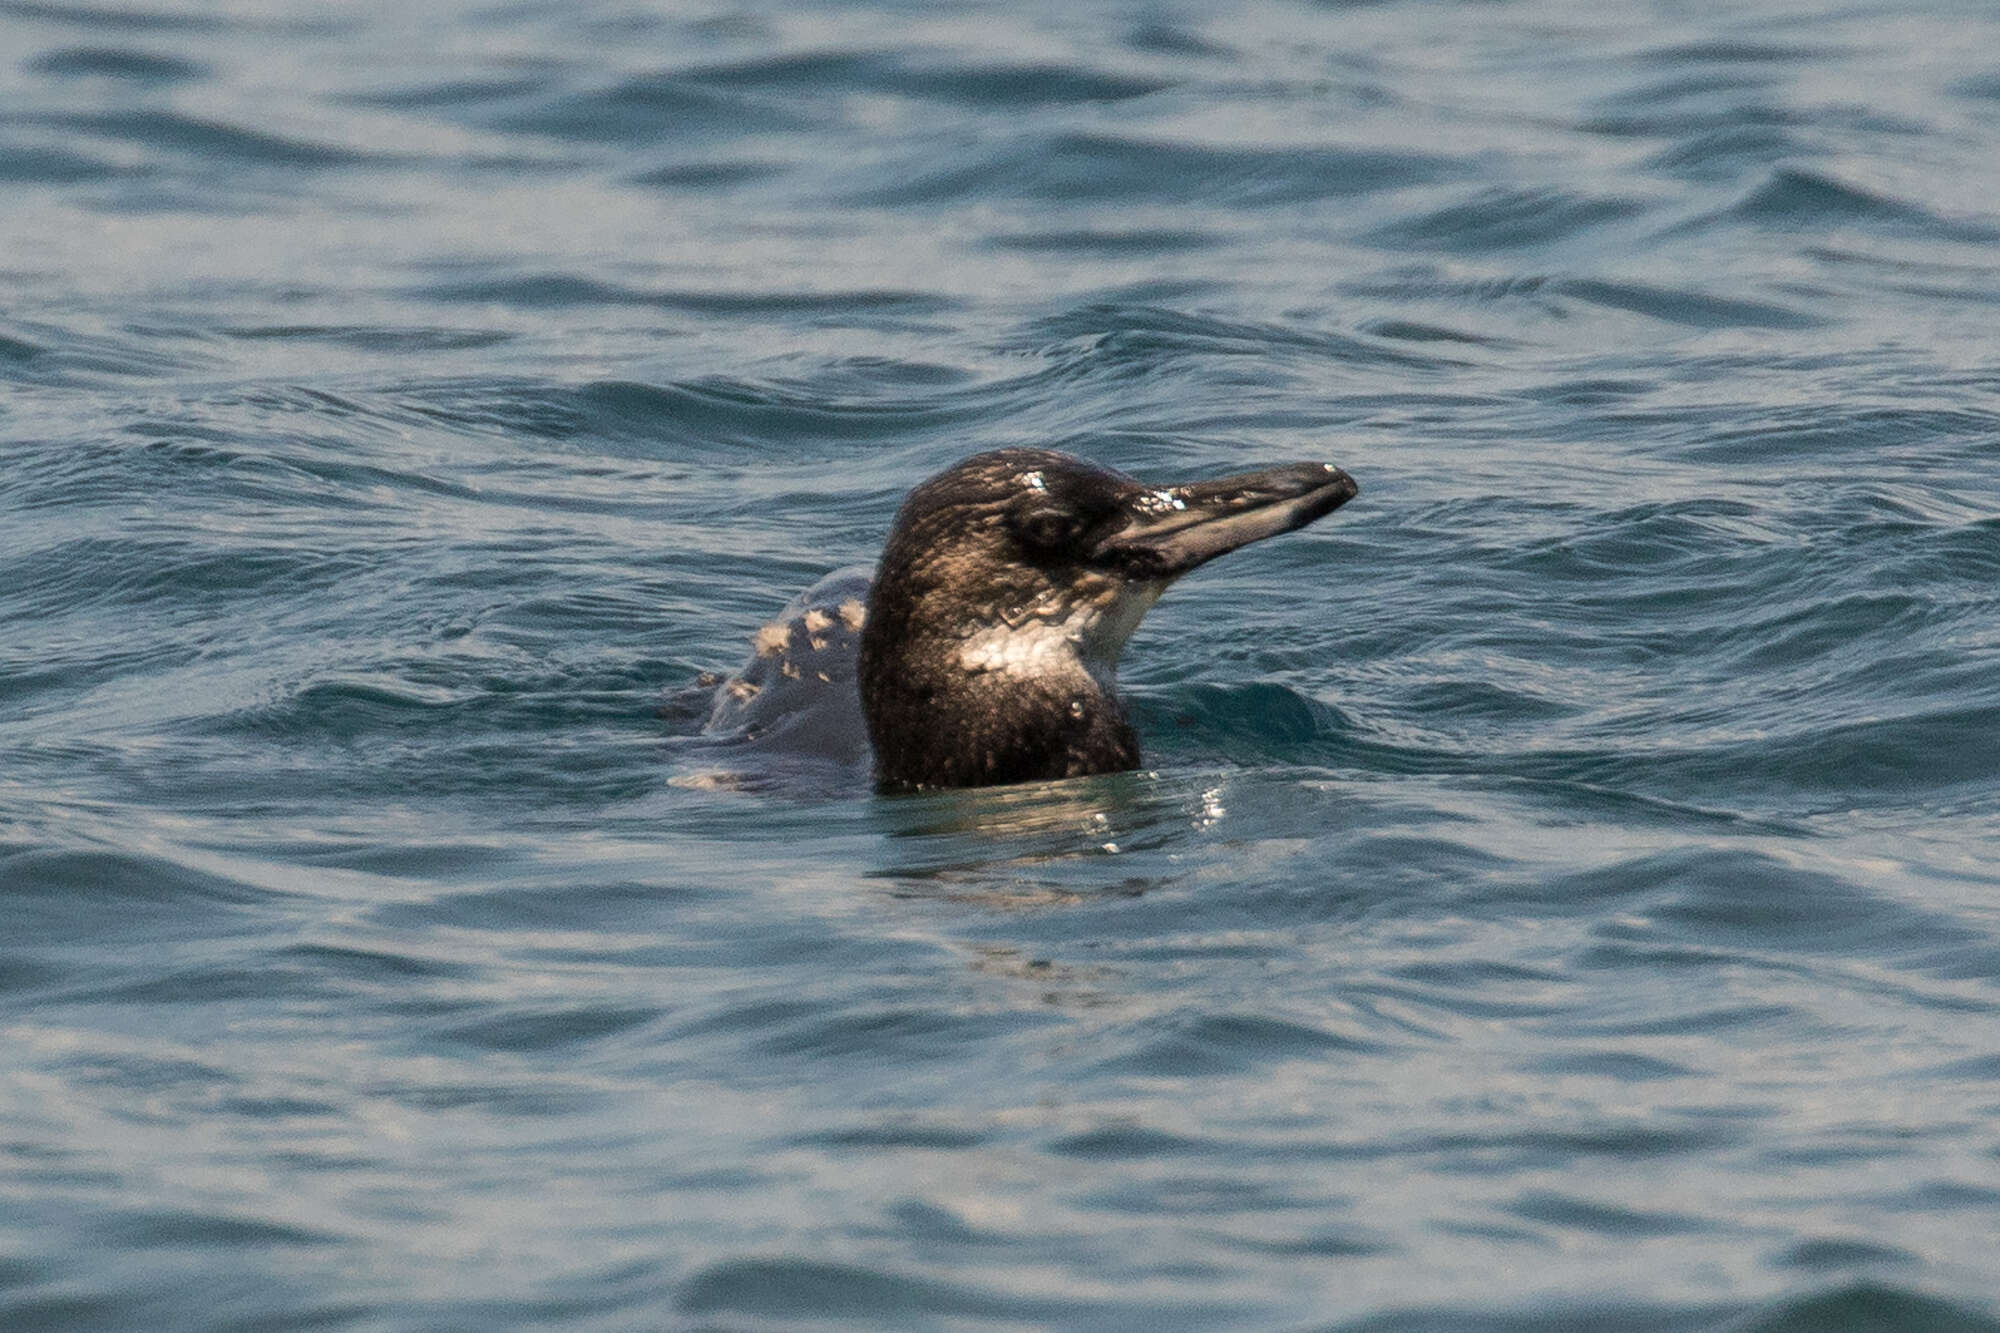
column 1039, row 843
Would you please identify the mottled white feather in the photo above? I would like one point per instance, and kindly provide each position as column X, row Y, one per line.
column 1089, row 634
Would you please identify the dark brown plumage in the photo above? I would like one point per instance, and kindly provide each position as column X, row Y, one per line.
column 1008, row 587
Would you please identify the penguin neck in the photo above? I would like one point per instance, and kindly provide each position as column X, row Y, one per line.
column 1036, row 701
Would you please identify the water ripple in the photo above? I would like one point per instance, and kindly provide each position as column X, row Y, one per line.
column 210, row 141
column 1495, row 219
column 113, row 62
column 1793, row 196
column 640, row 109
column 1101, row 168
column 1559, row 895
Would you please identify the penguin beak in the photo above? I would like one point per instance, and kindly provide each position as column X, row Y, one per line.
column 1173, row 531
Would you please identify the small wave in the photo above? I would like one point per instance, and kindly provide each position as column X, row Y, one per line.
column 645, row 108
column 1852, row 1307
column 537, row 291
column 1486, row 701
column 1122, row 337
column 1817, row 635
column 209, row 983
column 1568, row 1212
column 1746, row 900
column 1137, row 241
column 1823, row 1254
column 489, row 406
column 1122, row 1142
column 1737, row 51
column 212, row 141
column 1683, row 305
column 1983, row 87
column 707, row 420
column 373, row 338
column 38, row 165
column 555, row 1028
column 1243, row 724
column 1821, row 434
column 558, row 291
column 720, row 413
column 1930, row 751
column 1099, row 167
column 58, row 357
column 100, row 573
column 1864, row 1307
column 1418, row 331
column 1728, row 152
column 1797, row 764
column 891, row 1134
column 1792, row 197
column 902, row 1036
column 1701, row 103
column 607, row 908
column 708, row 175
column 1978, row 1067
column 453, row 92
column 1659, row 538
column 963, row 81
column 110, row 19
column 1504, row 219
column 825, row 71
column 1426, row 282
column 346, row 710
column 112, row 62
column 156, row 1228
column 1230, row 1044
column 792, row 1288
column 20, row 350
column 1158, row 36
column 40, row 676
column 371, row 967
column 1621, row 1066
column 89, row 895
column 1026, row 85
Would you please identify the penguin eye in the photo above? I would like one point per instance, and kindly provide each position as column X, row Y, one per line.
column 1047, row 529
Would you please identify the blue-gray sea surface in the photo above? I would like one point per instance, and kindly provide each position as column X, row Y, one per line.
column 1562, row 892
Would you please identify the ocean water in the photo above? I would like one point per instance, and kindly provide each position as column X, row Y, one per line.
column 1562, row 893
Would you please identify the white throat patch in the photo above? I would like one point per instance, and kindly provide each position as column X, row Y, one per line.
column 1085, row 633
